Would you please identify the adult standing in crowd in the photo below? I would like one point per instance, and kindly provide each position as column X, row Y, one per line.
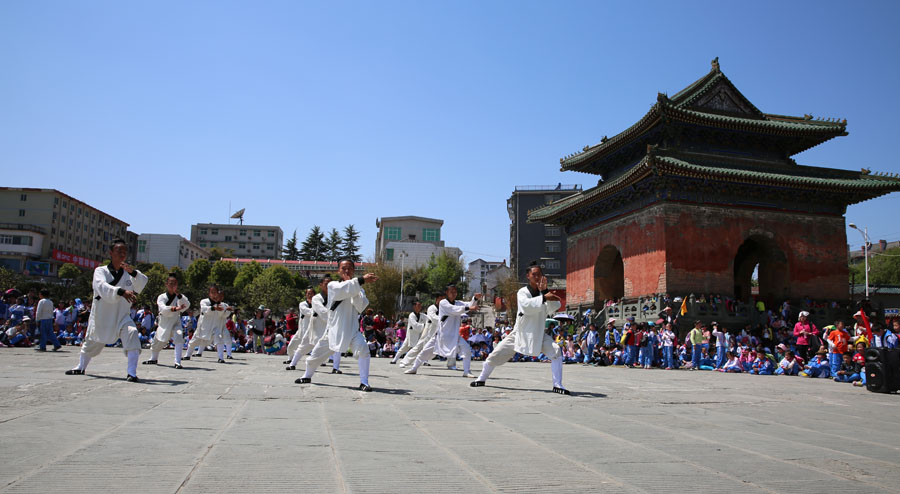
column 44, row 315
column 804, row 330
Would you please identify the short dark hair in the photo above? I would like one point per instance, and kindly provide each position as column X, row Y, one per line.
column 172, row 275
column 117, row 241
column 45, row 292
column 532, row 265
column 346, row 259
column 216, row 286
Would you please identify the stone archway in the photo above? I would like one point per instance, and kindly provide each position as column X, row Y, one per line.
column 609, row 276
column 773, row 273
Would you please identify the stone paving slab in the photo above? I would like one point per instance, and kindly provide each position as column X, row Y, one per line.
column 245, row 426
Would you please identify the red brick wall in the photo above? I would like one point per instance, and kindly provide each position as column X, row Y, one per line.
column 684, row 248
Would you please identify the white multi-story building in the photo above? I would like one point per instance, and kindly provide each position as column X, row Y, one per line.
column 484, row 276
column 169, row 250
column 410, row 241
column 253, row 241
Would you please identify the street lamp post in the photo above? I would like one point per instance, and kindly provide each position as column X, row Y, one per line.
column 865, row 235
column 403, row 255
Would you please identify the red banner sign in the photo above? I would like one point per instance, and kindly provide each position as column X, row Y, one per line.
column 79, row 261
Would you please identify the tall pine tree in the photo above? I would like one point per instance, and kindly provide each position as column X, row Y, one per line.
column 291, row 252
column 313, row 248
column 349, row 247
column 333, row 246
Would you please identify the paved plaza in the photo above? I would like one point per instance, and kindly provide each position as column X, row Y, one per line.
column 246, row 427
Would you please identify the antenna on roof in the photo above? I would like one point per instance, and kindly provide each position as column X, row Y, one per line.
column 239, row 215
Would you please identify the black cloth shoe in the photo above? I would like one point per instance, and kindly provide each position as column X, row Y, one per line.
column 74, row 372
column 40, row 349
column 392, row 362
column 561, row 391
column 56, row 348
column 303, row 380
column 286, row 362
column 178, row 366
column 132, row 379
column 290, row 367
column 336, row 371
column 229, row 357
column 149, row 362
column 185, row 358
column 220, row 361
column 365, row 387
column 476, row 384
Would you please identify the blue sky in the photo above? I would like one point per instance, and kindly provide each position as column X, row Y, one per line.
column 333, row 113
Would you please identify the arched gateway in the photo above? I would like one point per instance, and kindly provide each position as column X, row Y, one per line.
column 700, row 191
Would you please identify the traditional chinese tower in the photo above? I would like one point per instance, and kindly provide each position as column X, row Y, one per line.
column 702, row 190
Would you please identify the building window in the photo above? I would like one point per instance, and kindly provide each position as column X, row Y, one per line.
column 388, row 254
column 142, row 245
column 21, row 212
column 270, row 246
column 392, row 232
column 203, row 231
column 552, row 264
column 55, row 201
column 272, row 233
column 255, row 246
column 243, row 233
column 15, row 240
column 228, row 238
column 431, row 234
column 203, row 244
column 552, row 231
column 215, row 231
column 551, row 246
column 242, row 245
column 23, row 197
column 257, row 233
column 214, row 244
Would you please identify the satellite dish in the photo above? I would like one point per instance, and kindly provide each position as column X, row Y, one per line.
column 239, row 215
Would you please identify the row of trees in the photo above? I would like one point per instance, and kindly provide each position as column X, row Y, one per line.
column 318, row 247
column 884, row 269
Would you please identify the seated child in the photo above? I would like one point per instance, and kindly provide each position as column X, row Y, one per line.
column 818, row 366
column 789, row 365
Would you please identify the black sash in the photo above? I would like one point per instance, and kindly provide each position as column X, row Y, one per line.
column 335, row 305
column 444, row 318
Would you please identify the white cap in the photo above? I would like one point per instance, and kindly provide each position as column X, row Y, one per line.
column 804, row 314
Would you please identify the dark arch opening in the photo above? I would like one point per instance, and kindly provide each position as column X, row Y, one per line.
column 609, row 276
column 761, row 254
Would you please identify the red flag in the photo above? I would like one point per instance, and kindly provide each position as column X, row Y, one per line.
column 865, row 321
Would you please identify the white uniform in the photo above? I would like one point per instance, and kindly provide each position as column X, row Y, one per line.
column 528, row 336
column 302, row 327
column 209, row 325
column 318, row 320
column 415, row 325
column 431, row 326
column 169, row 326
column 346, row 300
column 446, row 341
column 110, row 318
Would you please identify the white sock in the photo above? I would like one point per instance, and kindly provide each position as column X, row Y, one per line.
column 485, row 372
column 83, row 361
column 178, row 351
column 228, row 349
column 364, row 370
column 133, row 356
column 556, row 366
column 296, row 358
column 154, row 355
column 467, row 363
column 337, row 359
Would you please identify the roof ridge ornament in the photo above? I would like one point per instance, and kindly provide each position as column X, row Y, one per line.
column 715, row 65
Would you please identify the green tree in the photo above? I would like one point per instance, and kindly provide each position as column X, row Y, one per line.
column 216, row 253
column 223, row 273
column 9, row 279
column 383, row 294
column 445, row 269
column 274, row 288
column 884, row 269
column 291, row 252
column 156, row 284
column 332, row 246
column 198, row 275
column 68, row 271
column 247, row 274
column 313, row 248
column 300, row 282
column 349, row 246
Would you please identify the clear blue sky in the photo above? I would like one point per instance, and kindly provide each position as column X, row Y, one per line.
column 333, row 113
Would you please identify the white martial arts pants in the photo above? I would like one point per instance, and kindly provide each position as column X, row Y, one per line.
column 131, row 345
column 461, row 347
column 162, row 339
column 296, row 343
column 197, row 344
column 507, row 348
column 223, row 343
column 320, row 353
column 408, row 343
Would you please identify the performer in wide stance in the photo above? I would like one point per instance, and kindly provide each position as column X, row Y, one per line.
column 346, row 299
column 446, row 341
column 316, row 330
column 302, row 326
column 171, row 304
column 415, row 325
column 528, row 337
column 115, row 287
column 213, row 313
column 432, row 323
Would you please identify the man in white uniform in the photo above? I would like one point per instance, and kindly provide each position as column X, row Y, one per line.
column 316, row 330
column 431, row 326
column 302, row 324
column 346, row 299
column 115, row 288
column 171, row 304
column 212, row 317
column 446, row 341
column 528, row 337
column 415, row 325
